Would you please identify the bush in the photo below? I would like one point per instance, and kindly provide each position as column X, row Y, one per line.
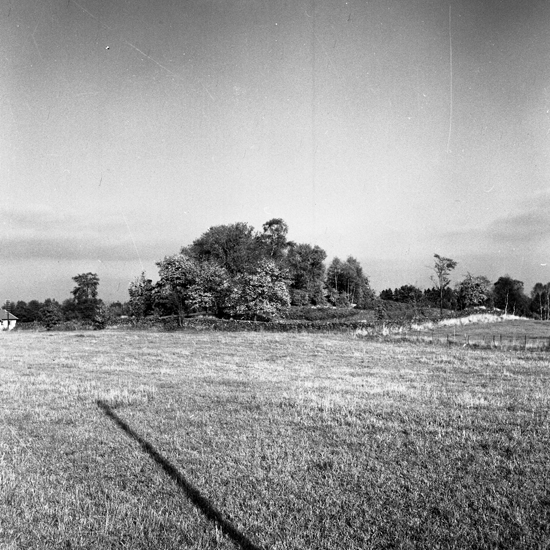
column 299, row 297
column 50, row 315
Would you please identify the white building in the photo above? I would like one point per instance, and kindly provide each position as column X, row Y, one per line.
column 7, row 320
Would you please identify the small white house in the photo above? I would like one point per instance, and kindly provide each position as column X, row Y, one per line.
column 7, row 320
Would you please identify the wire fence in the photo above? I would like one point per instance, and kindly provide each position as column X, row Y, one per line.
column 494, row 341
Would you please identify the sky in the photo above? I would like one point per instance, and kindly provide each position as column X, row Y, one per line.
column 389, row 130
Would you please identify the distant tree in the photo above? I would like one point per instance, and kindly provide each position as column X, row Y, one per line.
column 334, row 278
column 407, row 294
column 274, row 238
column 473, row 291
column 306, row 271
column 261, row 293
column 540, row 301
column 234, row 247
column 33, row 309
column 387, row 294
column 191, row 285
column 86, row 286
column 442, row 269
column 508, row 295
column 141, row 296
column 69, row 310
column 51, row 314
column 348, row 278
column 85, row 295
column 23, row 312
column 432, row 297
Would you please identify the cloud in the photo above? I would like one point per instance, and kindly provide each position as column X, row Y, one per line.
column 528, row 228
column 40, row 232
column 64, row 248
column 525, row 229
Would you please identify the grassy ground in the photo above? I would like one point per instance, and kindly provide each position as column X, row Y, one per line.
column 505, row 334
column 258, row 440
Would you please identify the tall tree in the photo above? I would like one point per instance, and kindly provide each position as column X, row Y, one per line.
column 191, row 285
column 509, row 296
column 346, row 279
column 51, row 314
column 260, row 293
column 234, row 247
column 473, row 291
column 306, row 270
column 274, row 238
column 335, row 275
column 85, row 295
column 141, row 296
column 540, row 301
column 442, row 269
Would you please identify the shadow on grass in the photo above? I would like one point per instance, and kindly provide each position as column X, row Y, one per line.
column 193, row 494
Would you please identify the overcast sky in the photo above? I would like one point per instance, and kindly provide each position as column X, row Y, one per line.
column 387, row 130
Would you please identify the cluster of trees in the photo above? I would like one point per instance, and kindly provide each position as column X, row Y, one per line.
column 506, row 294
column 234, row 270
column 84, row 306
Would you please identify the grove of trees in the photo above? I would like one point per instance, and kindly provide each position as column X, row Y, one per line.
column 235, row 271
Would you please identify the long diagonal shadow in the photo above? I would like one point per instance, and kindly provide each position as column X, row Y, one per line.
column 192, row 493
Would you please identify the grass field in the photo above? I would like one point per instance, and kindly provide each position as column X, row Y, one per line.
column 261, row 440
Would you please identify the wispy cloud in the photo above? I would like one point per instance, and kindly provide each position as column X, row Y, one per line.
column 40, row 232
column 526, row 228
column 529, row 227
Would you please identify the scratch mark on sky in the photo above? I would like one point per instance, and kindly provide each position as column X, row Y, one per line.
column 329, row 58
column 450, row 83
column 141, row 52
column 90, row 14
column 35, row 44
column 133, row 240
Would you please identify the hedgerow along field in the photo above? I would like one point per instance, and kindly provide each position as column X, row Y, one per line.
column 263, row 440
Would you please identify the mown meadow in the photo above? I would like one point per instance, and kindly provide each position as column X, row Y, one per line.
column 202, row 440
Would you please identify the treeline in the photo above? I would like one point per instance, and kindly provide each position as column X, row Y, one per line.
column 506, row 294
column 84, row 308
column 234, row 271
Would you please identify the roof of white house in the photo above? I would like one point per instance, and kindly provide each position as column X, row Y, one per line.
column 7, row 316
